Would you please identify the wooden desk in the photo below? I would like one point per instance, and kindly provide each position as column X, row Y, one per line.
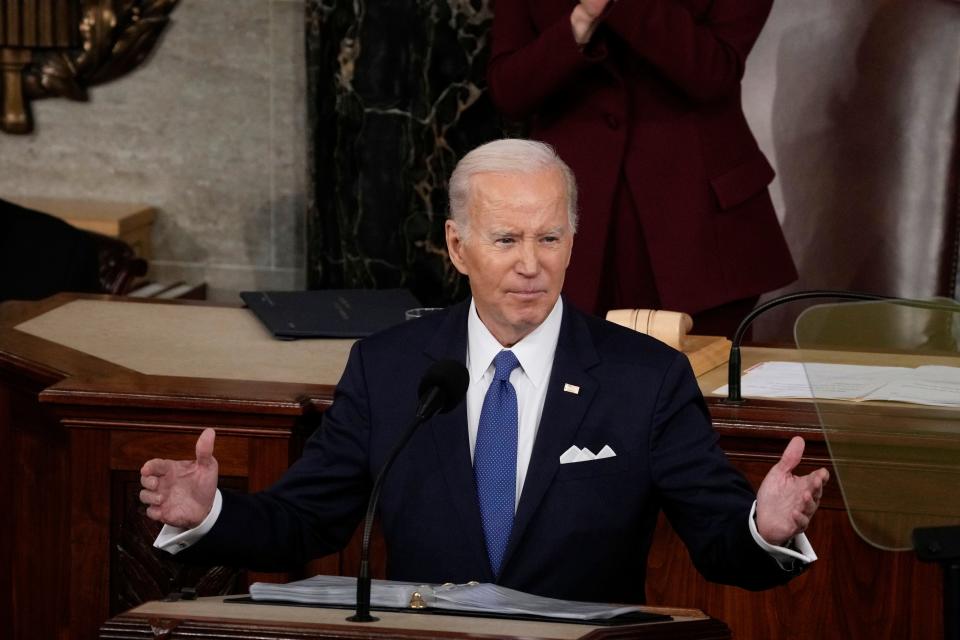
column 212, row 618
column 85, row 401
column 75, row 428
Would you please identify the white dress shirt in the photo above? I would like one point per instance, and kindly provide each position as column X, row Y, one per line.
column 535, row 354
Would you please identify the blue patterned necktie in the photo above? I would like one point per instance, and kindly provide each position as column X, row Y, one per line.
column 495, row 459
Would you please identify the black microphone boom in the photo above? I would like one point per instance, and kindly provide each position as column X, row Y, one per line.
column 442, row 388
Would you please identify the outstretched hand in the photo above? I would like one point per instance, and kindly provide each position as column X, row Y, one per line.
column 786, row 502
column 584, row 19
column 181, row 492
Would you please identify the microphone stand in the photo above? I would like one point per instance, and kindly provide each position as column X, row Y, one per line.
column 427, row 408
column 733, row 365
column 942, row 545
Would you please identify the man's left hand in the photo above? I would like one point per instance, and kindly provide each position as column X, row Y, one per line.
column 786, row 502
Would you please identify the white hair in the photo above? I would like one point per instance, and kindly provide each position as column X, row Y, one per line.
column 508, row 156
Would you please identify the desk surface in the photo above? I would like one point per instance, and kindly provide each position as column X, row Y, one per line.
column 750, row 356
column 188, row 341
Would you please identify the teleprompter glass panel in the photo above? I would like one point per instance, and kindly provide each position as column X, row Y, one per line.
column 885, row 377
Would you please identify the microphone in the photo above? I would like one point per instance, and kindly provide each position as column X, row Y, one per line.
column 733, row 365
column 441, row 389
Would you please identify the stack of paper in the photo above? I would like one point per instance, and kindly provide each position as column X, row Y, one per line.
column 474, row 597
column 337, row 590
column 928, row 385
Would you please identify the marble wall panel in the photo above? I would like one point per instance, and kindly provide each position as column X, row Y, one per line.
column 396, row 96
column 210, row 131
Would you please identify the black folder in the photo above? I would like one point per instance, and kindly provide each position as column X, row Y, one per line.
column 329, row 313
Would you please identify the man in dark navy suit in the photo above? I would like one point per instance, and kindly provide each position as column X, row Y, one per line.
column 574, row 434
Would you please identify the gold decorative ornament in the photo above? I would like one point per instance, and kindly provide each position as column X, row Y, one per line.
column 417, row 601
column 59, row 48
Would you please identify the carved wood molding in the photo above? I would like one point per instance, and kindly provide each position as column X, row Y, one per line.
column 62, row 49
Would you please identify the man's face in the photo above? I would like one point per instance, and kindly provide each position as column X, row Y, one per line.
column 516, row 251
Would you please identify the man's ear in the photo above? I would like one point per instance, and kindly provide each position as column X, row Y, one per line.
column 455, row 247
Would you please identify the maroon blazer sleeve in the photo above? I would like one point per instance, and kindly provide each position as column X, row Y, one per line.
column 527, row 66
column 702, row 54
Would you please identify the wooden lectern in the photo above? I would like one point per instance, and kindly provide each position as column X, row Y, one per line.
column 89, row 390
column 212, row 618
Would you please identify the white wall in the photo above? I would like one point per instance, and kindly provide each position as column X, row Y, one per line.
column 210, row 131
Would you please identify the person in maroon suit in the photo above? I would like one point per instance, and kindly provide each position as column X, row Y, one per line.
column 642, row 99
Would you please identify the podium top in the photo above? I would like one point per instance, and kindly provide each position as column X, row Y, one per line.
column 212, row 616
column 189, row 341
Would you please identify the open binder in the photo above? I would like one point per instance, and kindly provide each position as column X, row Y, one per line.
column 483, row 600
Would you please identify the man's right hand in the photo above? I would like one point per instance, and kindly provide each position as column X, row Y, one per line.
column 181, row 492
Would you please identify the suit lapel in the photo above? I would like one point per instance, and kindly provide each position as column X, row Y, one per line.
column 452, row 442
column 563, row 412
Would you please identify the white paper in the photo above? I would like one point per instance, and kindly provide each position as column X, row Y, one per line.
column 486, row 597
column 927, row 385
column 476, row 597
column 337, row 590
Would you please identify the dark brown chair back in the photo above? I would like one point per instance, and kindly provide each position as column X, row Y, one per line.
column 41, row 255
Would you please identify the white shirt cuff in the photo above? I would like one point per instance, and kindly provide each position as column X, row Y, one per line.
column 174, row 539
column 802, row 551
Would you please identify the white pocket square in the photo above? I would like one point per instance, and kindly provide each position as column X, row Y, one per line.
column 576, row 454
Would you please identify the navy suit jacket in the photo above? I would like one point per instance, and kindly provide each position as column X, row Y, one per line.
column 582, row 531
